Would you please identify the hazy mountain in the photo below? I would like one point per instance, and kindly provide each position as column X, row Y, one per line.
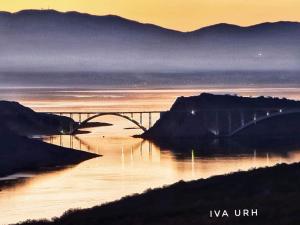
column 34, row 40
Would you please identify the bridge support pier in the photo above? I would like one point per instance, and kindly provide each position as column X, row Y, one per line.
column 242, row 118
column 141, row 119
column 71, row 128
column 229, row 122
column 150, row 122
column 217, row 124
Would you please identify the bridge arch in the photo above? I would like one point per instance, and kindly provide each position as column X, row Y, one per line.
column 263, row 118
column 108, row 114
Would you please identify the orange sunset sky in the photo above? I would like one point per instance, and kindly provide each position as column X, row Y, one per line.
column 184, row 15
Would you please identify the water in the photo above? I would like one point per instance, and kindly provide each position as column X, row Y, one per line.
column 128, row 165
column 56, row 99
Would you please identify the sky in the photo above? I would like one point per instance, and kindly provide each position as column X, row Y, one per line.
column 183, row 15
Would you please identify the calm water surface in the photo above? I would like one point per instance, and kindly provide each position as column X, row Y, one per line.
column 128, row 165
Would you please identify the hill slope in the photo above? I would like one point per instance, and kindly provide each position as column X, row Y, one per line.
column 268, row 190
column 34, row 40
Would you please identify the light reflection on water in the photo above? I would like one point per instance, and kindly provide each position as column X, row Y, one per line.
column 128, row 166
column 58, row 99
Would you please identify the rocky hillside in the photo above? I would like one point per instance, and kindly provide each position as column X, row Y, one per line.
column 25, row 121
column 209, row 116
column 269, row 190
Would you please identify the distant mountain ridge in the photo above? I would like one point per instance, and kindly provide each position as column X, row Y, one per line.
column 48, row 40
column 33, row 12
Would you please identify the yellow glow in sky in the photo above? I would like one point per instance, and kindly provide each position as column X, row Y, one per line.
column 182, row 15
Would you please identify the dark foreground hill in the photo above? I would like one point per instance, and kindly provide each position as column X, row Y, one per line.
column 274, row 192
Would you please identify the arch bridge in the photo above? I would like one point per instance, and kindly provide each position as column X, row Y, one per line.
column 267, row 116
column 230, row 122
column 142, row 119
column 221, row 122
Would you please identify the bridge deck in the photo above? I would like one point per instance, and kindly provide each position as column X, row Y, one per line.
column 98, row 112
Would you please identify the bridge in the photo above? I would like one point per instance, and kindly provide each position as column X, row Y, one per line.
column 221, row 122
column 138, row 118
column 267, row 116
column 229, row 122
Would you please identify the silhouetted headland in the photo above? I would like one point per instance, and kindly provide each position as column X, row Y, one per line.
column 18, row 152
column 201, row 119
column 24, row 121
column 276, row 201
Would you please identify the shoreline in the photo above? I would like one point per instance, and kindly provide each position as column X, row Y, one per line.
column 192, row 202
column 28, row 174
